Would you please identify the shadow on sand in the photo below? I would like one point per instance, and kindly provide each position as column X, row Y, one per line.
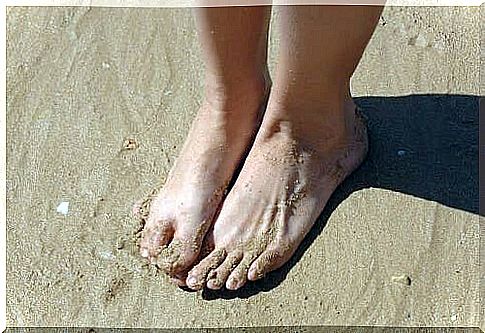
column 421, row 145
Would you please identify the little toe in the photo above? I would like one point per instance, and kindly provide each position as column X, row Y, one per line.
column 268, row 261
column 238, row 277
column 218, row 277
column 197, row 276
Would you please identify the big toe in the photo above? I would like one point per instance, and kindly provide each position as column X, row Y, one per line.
column 154, row 238
column 180, row 254
column 270, row 260
column 179, row 280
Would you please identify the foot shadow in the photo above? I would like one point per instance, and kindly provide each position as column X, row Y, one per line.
column 422, row 145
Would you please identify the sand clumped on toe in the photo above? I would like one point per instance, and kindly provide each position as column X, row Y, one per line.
column 141, row 213
column 169, row 256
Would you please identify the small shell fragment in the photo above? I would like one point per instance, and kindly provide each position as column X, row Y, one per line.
column 108, row 255
column 63, row 207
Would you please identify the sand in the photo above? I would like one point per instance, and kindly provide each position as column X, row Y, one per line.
column 98, row 104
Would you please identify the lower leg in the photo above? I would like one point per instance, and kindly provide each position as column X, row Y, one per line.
column 234, row 48
column 233, row 42
column 320, row 49
column 308, row 143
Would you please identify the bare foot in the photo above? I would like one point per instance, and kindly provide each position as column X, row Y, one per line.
column 183, row 209
column 297, row 161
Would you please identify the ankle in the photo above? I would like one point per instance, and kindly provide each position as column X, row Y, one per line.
column 330, row 122
column 226, row 94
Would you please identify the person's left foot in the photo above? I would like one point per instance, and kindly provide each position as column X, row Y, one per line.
column 295, row 164
column 181, row 212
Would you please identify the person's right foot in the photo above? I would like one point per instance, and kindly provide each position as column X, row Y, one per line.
column 298, row 159
column 182, row 211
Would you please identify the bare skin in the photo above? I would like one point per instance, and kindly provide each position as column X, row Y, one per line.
column 283, row 187
column 237, row 85
column 309, row 141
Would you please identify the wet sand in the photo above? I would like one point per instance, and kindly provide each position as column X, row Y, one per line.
column 99, row 101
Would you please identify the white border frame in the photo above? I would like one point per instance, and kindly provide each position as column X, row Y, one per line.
column 225, row 3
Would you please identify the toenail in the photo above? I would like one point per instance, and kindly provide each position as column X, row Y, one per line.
column 192, row 281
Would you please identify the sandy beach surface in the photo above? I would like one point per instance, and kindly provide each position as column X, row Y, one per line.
column 99, row 101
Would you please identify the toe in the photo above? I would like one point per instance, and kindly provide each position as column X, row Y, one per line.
column 181, row 252
column 179, row 280
column 197, row 276
column 238, row 277
column 154, row 238
column 218, row 277
column 269, row 260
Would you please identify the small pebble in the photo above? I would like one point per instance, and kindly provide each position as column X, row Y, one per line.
column 453, row 317
column 403, row 279
column 401, row 152
column 63, row 207
column 129, row 144
column 120, row 243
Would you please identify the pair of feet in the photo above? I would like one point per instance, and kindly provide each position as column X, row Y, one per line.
column 295, row 152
